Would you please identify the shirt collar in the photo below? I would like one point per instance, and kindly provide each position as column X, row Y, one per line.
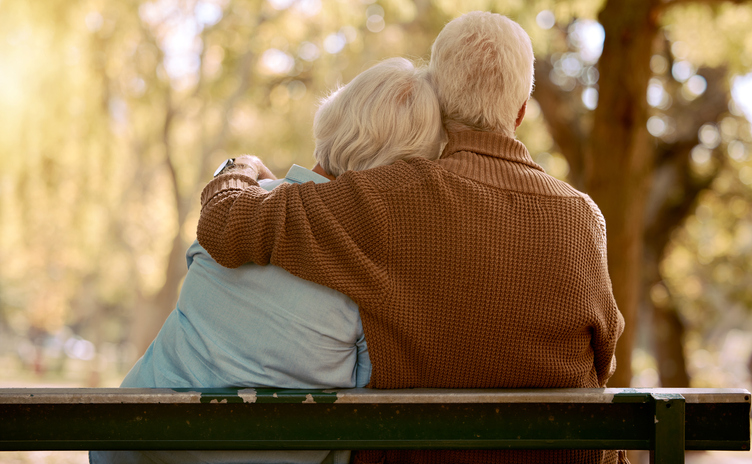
column 298, row 175
column 295, row 175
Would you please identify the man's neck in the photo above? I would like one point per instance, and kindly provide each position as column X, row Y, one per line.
column 454, row 126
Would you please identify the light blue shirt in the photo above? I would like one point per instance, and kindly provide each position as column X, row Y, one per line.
column 255, row 326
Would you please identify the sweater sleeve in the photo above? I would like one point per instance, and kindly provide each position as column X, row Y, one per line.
column 608, row 330
column 609, row 320
column 334, row 234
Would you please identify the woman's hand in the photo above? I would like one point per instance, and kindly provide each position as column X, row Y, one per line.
column 252, row 166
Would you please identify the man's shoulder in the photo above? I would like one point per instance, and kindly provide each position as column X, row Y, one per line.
column 595, row 211
column 561, row 187
column 578, row 201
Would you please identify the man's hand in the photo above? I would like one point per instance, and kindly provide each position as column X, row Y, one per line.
column 252, row 166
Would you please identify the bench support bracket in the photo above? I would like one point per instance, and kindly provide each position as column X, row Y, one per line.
column 669, row 429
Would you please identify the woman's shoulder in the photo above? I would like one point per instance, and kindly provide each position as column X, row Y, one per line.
column 397, row 175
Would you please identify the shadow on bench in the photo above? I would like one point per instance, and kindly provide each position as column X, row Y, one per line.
column 666, row 421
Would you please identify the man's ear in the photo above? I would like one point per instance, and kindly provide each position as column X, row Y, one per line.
column 520, row 115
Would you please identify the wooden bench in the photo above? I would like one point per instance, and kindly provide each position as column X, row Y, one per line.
column 665, row 421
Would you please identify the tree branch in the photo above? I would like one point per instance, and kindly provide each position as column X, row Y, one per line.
column 708, row 2
column 246, row 62
column 660, row 8
column 673, row 170
column 561, row 121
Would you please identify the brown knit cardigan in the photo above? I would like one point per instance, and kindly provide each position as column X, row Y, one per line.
column 476, row 271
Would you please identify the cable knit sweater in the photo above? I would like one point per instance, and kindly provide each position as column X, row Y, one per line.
column 476, row 271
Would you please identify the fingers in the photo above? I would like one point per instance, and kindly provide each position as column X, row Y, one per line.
column 264, row 172
column 249, row 160
column 252, row 166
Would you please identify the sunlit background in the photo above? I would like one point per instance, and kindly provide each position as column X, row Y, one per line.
column 113, row 115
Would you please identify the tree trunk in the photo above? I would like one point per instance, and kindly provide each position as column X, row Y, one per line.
column 619, row 155
column 147, row 325
column 159, row 307
column 668, row 330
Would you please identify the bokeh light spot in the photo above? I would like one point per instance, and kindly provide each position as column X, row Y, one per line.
column 680, row 49
column 700, row 154
column 741, row 91
column 309, row 7
column 376, row 10
column 207, row 13
column 375, row 23
column 93, row 21
column 277, row 61
column 709, row 136
column 658, row 64
column 737, row 151
column 308, row 51
column 545, row 19
column 656, row 126
column 656, row 93
column 296, row 89
column 349, row 33
column 281, row 4
column 571, row 65
column 697, row 85
column 681, row 70
column 588, row 36
column 590, row 98
column 745, row 175
column 78, row 348
column 334, row 43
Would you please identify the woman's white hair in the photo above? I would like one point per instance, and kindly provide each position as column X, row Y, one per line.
column 482, row 68
column 387, row 113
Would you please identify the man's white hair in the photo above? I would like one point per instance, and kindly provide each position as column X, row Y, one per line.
column 482, row 68
column 387, row 113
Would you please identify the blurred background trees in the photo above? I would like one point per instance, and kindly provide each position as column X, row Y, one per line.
column 113, row 115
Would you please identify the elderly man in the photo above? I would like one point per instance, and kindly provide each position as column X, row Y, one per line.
column 475, row 271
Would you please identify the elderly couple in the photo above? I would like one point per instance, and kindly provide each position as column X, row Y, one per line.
column 466, row 267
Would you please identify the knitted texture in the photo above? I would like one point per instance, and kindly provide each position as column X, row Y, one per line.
column 476, row 271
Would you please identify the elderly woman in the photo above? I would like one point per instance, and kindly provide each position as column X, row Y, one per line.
column 260, row 326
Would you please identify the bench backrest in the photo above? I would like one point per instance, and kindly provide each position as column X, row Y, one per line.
column 666, row 421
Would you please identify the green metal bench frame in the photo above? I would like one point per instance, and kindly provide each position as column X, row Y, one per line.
column 665, row 421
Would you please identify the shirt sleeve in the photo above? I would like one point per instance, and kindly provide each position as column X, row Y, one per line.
column 335, row 234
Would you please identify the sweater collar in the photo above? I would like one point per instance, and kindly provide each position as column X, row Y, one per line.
column 490, row 144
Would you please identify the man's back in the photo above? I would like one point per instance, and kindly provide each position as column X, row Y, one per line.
column 502, row 278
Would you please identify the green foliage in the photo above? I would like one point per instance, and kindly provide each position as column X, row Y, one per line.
column 708, row 265
column 695, row 28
